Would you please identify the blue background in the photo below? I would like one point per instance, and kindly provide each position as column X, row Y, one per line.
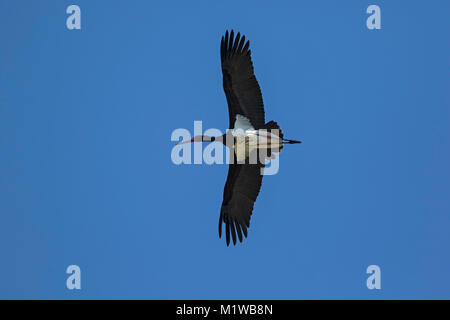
column 86, row 176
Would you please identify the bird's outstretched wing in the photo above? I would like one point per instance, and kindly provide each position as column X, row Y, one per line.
column 239, row 82
column 240, row 193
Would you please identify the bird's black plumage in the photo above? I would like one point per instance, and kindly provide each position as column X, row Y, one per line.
column 239, row 82
column 240, row 193
column 244, row 97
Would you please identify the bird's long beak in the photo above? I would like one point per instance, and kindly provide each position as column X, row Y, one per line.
column 187, row 141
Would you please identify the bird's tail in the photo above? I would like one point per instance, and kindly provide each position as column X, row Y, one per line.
column 270, row 126
column 273, row 125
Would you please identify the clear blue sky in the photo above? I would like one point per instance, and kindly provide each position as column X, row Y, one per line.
column 86, row 176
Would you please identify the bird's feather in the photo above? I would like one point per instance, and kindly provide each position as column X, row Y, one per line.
column 240, row 193
column 246, row 111
column 239, row 82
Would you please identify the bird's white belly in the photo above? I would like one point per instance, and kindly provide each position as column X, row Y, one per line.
column 249, row 140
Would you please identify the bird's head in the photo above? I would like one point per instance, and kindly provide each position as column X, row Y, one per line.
column 199, row 139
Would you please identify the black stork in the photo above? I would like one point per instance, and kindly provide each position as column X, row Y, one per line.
column 248, row 132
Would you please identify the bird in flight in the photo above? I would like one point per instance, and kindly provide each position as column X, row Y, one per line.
column 248, row 134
